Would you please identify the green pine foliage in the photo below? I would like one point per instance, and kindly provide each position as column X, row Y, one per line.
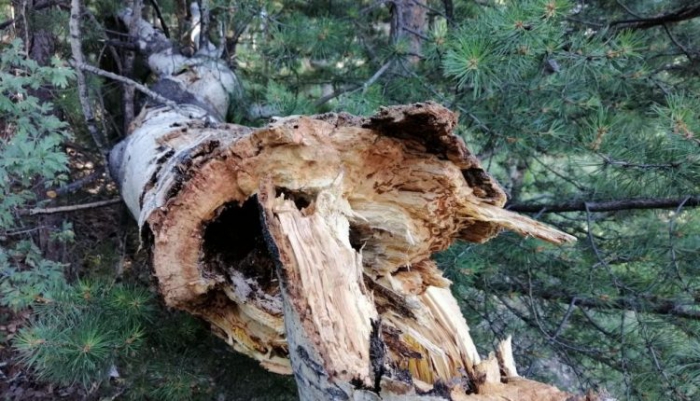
column 78, row 336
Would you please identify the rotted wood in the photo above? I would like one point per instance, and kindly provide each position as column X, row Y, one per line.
column 306, row 244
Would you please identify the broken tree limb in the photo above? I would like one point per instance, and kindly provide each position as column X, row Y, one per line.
column 306, row 243
column 353, row 208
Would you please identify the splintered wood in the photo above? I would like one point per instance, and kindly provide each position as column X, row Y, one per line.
column 307, row 246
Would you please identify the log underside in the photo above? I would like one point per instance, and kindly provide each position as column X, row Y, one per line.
column 311, row 239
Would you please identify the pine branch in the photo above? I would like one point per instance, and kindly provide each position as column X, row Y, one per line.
column 683, row 14
column 638, row 303
column 607, row 206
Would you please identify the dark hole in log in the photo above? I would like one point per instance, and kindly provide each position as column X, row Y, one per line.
column 301, row 200
column 234, row 241
column 358, row 238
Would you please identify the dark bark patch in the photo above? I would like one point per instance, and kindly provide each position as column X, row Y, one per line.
column 336, row 394
column 396, row 301
column 483, row 185
column 440, row 389
column 393, row 341
column 377, row 352
column 306, row 359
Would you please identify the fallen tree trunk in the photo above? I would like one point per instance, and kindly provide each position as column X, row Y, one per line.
column 306, row 243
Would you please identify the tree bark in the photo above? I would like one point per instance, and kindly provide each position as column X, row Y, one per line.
column 408, row 20
column 306, row 243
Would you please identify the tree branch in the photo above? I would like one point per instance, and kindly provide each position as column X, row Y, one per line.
column 683, row 14
column 677, row 43
column 142, row 88
column 363, row 86
column 159, row 14
column 607, row 206
column 76, row 49
column 128, row 65
column 639, row 303
column 80, row 183
column 449, row 7
column 70, row 208
column 204, row 24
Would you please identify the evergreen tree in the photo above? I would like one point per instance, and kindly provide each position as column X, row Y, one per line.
column 586, row 111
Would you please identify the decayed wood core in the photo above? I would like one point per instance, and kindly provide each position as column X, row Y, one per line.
column 311, row 238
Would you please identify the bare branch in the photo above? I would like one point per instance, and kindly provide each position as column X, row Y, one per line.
column 204, row 24
column 607, row 206
column 128, row 64
column 70, row 208
column 363, row 86
column 639, row 303
column 626, row 164
column 141, row 88
column 449, row 7
column 75, row 44
column 80, row 183
column 677, row 43
column 159, row 14
column 682, row 14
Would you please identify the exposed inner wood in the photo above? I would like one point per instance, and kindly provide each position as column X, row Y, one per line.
column 310, row 239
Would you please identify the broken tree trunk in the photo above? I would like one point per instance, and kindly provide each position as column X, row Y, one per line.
column 306, row 243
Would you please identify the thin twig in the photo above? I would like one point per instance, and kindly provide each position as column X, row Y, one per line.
column 71, row 208
column 626, row 164
column 595, row 324
column 363, row 86
column 416, row 33
column 629, row 10
column 427, row 7
column 677, row 43
column 563, row 322
column 674, row 260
